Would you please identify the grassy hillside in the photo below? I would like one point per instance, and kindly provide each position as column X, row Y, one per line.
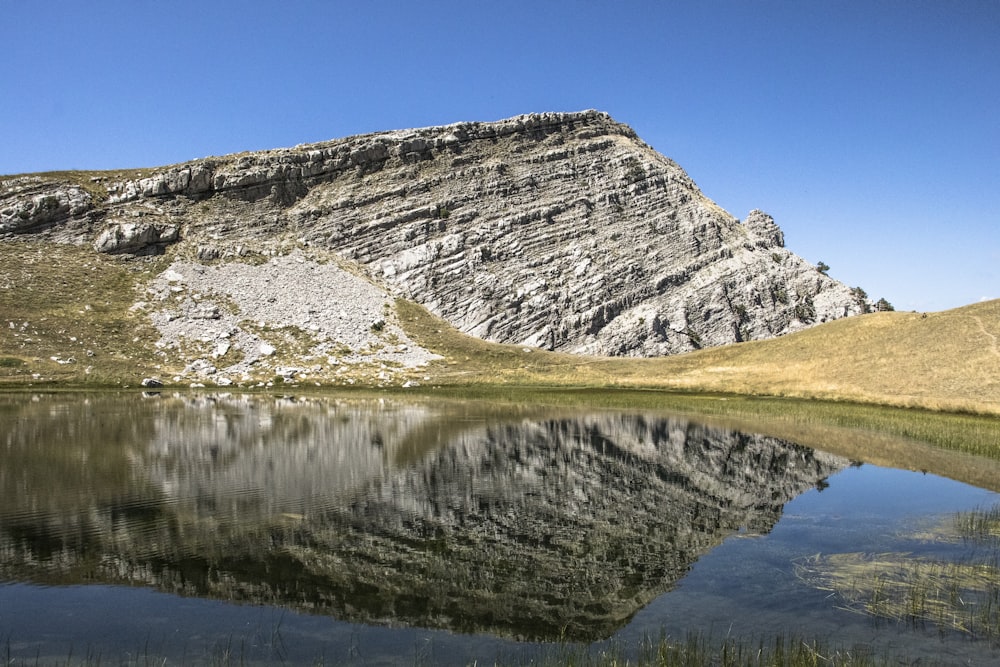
column 65, row 318
column 943, row 361
column 948, row 360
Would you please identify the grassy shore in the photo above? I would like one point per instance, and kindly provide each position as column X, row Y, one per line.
column 65, row 317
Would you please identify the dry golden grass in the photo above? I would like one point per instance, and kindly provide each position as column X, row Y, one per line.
column 948, row 360
column 941, row 361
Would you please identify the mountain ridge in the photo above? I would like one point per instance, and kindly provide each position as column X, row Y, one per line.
column 562, row 231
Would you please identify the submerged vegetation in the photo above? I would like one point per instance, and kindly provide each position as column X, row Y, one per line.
column 954, row 595
column 959, row 596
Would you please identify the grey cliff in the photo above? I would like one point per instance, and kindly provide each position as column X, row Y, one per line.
column 559, row 230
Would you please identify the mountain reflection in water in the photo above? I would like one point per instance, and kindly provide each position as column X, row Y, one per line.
column 530, row 522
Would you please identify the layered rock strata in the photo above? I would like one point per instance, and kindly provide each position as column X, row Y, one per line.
column 559, row 230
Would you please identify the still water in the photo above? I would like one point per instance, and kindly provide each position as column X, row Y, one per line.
column 215, row 528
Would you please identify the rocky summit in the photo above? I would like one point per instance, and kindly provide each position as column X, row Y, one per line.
column 560, row 230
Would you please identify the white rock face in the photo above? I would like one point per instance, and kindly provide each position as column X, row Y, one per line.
column 559, row 230
column 30, row 203
column 134, row 237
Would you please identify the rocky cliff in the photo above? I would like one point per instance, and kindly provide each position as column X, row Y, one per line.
column 562, row 231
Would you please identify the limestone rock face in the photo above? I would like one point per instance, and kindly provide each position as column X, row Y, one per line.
column 134, row 237
column 766, row 231
column 557, row 230
column 28, row 204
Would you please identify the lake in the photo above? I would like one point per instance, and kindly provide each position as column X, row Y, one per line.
column 358, row 529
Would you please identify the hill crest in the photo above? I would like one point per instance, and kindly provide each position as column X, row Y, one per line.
column 560, row 230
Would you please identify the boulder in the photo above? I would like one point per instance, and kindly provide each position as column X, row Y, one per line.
column 135, row 237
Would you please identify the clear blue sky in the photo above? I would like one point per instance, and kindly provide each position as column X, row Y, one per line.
column 869, row 129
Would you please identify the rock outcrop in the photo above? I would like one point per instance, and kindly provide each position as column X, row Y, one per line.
column 30, row 204
column 560, row 230
column 135, row 237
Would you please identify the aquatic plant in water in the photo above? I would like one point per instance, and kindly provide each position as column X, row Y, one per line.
column 961, row 595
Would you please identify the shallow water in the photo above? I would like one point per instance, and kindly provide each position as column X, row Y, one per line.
column 392, row 531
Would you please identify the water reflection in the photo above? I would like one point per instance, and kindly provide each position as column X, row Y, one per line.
column 518, row 521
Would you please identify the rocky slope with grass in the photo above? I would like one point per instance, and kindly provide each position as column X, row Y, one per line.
column 563, row 231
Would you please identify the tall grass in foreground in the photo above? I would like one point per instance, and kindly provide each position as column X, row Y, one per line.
column 699, row 651
column 696, row 651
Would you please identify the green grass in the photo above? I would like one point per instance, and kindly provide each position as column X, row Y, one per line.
column 970, row 433
column 958, row 446
column 61, row 303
